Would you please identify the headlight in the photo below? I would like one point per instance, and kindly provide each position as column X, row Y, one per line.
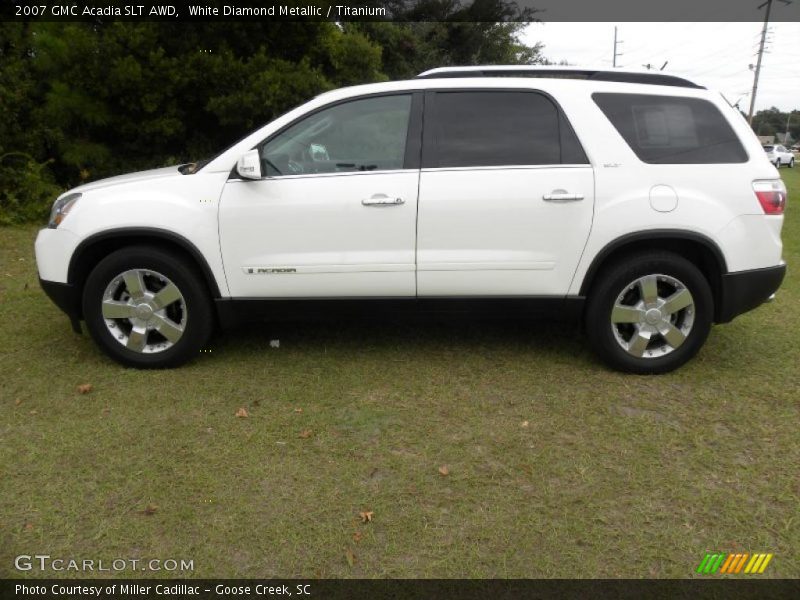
column 61, row 208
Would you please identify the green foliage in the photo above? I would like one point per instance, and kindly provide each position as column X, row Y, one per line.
column 27, row 189
column 90, row 100
column 772, row 121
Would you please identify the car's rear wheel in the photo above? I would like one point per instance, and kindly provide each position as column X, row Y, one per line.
column 147, row 308
column 778, row 164
column 649, row 313
column 791, row 163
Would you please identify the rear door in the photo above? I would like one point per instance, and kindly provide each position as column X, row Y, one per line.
column 506, row 196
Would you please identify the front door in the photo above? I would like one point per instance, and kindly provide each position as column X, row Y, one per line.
column 335, row 215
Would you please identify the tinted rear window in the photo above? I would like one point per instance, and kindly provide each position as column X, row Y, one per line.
column 476, row 129
column 672, row 130
column 768, row 148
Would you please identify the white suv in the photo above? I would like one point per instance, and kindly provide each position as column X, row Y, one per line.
column 641, row 203
column 778, row 155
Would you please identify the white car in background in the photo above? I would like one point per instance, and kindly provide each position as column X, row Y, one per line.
column 779, row 155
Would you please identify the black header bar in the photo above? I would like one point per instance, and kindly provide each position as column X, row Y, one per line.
column 399, row 10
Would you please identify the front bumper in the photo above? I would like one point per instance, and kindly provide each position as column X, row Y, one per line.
column 66, row 297
column 742, row 291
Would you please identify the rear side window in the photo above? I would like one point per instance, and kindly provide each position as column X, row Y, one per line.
column 485, row 129
column 672, row 130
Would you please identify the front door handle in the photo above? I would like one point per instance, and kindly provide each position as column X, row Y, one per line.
column 382, row 200
column 562, row 196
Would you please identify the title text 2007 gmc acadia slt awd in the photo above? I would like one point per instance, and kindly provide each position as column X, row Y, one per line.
column 640, row 203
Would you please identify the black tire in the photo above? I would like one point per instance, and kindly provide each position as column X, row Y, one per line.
column 197, row 320
column 614, row 281
column 778, row 164
column 791, row 163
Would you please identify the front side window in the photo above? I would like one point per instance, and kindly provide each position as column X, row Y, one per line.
column 500, row 128
column 672, row 130
column 368, row 134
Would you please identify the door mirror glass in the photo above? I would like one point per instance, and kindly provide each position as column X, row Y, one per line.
column 249, row 165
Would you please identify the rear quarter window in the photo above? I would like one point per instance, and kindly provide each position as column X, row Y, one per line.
column 672, row 130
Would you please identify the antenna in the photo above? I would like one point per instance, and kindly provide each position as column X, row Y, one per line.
column 649, row 66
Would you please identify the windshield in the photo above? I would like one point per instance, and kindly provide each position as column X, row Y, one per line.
column 193, row 167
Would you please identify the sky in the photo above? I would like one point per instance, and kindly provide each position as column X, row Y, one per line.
column 715, row 55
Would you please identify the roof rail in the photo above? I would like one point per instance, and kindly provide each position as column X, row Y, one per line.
column 559, row 72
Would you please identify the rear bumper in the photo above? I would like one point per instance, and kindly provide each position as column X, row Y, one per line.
column 66, row 297
column 745, row 290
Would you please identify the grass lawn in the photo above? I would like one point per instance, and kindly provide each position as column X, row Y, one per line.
column 556, row 466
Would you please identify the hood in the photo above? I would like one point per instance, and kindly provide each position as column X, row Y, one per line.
column 128, row 178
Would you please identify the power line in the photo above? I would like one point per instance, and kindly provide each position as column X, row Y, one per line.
column 658, row 52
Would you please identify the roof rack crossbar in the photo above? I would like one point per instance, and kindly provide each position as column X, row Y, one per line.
column 555, row 73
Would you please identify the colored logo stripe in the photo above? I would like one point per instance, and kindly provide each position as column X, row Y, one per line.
column 711, row 563
column 734, row 563
column 758, row 563
column 703, row 563
column 727, row 563
column 765, row 563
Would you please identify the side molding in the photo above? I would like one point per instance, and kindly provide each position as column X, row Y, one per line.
column 233, row 312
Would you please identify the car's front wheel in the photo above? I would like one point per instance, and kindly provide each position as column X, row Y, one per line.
column 147, row 308
column 649, row 313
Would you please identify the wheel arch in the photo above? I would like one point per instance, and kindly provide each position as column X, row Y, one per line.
column 95, row 247
column 695, row 247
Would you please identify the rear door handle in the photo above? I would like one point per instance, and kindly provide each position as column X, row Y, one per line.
column 382, row 200
column 561, row 196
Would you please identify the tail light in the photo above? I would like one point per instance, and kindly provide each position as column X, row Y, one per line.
column 772, row 196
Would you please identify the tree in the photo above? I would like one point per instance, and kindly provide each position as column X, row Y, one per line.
column 772, row 121
column 440, row 33
column 85, row 100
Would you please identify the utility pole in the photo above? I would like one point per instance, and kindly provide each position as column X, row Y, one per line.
column 616, row 43
column 768, row 4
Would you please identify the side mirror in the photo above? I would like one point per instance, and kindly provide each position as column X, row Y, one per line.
column 249, row 165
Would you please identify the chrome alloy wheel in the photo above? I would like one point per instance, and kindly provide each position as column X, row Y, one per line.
column 144, row 311
column 652, row 316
